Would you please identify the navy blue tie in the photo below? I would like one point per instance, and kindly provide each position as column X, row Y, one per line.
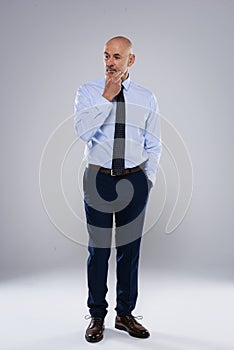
column 119, row 138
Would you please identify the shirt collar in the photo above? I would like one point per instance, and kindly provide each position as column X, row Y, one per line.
column 126, row 83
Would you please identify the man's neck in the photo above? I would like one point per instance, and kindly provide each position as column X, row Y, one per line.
column 125, row 77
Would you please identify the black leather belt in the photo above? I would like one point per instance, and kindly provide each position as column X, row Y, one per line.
column 110, row 171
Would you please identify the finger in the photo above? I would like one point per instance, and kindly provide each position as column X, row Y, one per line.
column 119, row 76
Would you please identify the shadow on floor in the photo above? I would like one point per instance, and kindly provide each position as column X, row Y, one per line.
column 114, row 339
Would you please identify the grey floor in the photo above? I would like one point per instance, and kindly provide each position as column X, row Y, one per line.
column 46, row 311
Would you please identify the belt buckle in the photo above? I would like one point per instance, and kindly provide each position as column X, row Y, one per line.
column 112, row 173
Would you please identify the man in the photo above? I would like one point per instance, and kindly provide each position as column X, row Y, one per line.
column 119, row 121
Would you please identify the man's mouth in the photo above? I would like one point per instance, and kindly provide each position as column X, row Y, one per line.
column 110, row 70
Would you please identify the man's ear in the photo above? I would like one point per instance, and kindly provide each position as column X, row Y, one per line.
column 131, row 60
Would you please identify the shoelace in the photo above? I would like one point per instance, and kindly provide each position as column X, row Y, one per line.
column 133, row 319
column 138, row 317
column 98, row 320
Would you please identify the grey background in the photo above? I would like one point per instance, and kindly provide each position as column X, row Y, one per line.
column 184, row 54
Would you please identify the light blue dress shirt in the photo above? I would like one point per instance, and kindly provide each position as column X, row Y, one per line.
column 94, row 123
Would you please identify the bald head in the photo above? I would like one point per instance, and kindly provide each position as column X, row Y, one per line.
column 121, row 41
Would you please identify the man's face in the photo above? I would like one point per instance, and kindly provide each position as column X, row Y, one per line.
column 117, row 57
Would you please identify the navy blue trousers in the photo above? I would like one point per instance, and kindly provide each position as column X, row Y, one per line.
column 120, row 202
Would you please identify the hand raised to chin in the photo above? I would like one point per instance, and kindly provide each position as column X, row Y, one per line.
column 113, row 85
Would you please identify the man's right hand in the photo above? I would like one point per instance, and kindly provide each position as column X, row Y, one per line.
column 113, row 85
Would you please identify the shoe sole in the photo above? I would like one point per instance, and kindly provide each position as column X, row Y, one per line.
column 122, row 328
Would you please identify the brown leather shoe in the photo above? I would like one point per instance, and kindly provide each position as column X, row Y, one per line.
column 129, row 324
column 94, row 332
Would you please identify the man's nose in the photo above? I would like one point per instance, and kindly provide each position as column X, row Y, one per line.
column 110, row 61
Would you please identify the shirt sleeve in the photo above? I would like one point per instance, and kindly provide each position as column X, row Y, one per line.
column 152, row 143
column 90, row 113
